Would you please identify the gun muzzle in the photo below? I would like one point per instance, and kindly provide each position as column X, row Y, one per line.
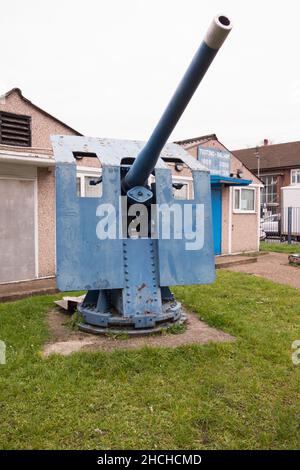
column 148, row 156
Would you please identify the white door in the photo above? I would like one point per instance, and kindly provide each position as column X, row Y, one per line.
column 17, row 230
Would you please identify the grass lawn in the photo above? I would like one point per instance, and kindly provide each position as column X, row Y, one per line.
column 280, row 247
column 237, row 395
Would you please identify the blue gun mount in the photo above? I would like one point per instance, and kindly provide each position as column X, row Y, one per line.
column 128, row 277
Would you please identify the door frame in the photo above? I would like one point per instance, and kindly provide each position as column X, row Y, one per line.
column 217, row 187
column 35, row 221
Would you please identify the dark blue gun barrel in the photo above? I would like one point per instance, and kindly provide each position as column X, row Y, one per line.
column 148, row 156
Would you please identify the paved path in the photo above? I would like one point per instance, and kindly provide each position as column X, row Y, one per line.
column 273, row 266
column 18, row 290
column 231, row 260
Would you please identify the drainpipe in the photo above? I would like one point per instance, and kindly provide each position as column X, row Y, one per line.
column 258, row 161
column 230, row 222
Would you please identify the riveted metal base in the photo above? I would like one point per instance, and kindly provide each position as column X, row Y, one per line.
column 131, row 331
column 102, row 322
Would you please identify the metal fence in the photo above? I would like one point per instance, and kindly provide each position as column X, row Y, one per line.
column 290, row 223
column 282, row 227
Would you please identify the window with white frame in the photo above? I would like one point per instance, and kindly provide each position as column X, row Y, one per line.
column 183, row 188
column 181, row 191
column 269, row 193
column 83, row 186
column 244, row 200
column 295, row 176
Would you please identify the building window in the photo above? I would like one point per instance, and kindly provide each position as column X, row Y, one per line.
column 295, row 176
column 183, row 187
column 84, row 188
column 182, row 191
column 15, row 129
column 269, row 194
column 244, row 200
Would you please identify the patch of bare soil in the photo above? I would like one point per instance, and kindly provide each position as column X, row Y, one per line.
column 65, row 341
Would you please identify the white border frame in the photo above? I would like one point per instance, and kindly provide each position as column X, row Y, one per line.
column 184, row 180
column 82, row 171
column 241, row 211
column 230, row 228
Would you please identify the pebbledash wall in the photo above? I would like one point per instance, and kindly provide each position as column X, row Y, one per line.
column 36, row 164
column 240, row 231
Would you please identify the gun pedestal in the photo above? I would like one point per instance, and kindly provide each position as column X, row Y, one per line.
column 127, row 270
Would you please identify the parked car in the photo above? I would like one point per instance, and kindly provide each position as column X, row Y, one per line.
column 270, row 224
column 262, row 234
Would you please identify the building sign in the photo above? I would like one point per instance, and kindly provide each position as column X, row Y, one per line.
column 216, row 161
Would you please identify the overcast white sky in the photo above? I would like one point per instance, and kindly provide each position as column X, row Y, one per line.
column 108, row 67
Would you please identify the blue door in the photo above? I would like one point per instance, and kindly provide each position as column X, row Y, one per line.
column 216, row 199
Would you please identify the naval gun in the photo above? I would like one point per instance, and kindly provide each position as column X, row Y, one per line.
column 127, row 246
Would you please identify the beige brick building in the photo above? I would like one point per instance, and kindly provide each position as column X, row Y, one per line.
column 238, row 227
column 27, row 190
